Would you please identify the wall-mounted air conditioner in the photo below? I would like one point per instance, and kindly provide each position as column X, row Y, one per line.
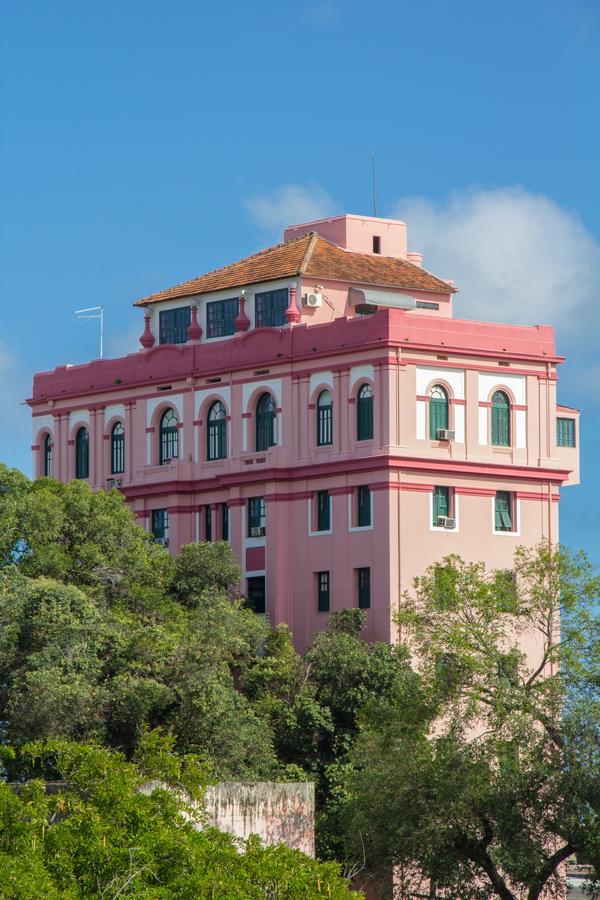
column 444, row 434
column 257, row 531
column 446, row 522
column 313, row 299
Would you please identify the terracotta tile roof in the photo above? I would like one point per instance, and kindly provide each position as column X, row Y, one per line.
column 310, row 255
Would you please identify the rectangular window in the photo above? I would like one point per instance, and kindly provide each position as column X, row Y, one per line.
column 323, row 591
column 173, row 325
column 441, row 504
column 504, row 511
column 256, row 516
column 565, row 432
column 364, row 588
column 160, row 526
column 323, row 511
column 220, row 317
column 207, row 523
column 255, row 594
column 363, row 506
column 376, row 244
column 224, row 522
column 270, row 308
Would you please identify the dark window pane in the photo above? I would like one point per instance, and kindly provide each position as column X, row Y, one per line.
column 207, row 523
column 256, row 514
column 169, row 437
column 364, row 588
column 117, row 449
column 323, row 511
column 323, row 591
column 255, row 594
column 224, row 522
column 324, row 419
column 363, row 497
column 364, row 413
column 173, row 325
column 216, row 432
column 265, row 422
column 270, row 308
column 82, row 454
column 48, row 456
column 220, row 317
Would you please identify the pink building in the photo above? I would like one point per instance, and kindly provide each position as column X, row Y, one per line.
column 318, row 405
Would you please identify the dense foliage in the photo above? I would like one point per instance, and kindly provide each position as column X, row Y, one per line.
column 96, row 834
column 498, row 783
column 470, row 766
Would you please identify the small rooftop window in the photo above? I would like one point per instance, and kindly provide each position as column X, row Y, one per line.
column 376, row 244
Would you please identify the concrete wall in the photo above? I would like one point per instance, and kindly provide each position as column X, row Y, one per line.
column 278, row 813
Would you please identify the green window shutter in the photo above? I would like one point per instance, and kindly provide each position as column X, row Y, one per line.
column 503, row 517
column 565, row 432
column 500, row 420
column 438, row 411
column 441, row 503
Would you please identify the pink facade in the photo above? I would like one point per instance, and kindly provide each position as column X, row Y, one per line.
column 353, row 479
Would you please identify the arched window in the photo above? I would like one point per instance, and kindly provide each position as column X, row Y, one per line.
column 500, row 420
column 324, row 419
column 48, row 456
column 82, row 453
column 265, row 422
column 169, row 437
column 438, row 410
column 117, row 449
column 364, row 413
column 216, row 447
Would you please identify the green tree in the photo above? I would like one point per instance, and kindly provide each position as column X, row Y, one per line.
column 206, row 567
column 497, row 780
column 98, row 835
column 70, row 533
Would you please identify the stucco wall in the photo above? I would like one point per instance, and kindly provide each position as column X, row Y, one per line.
column 279, row 813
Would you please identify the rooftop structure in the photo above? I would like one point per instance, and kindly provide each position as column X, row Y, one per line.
column 318, row 405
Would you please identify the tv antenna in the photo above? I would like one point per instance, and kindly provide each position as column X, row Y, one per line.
column 93, row 312
column 373, row 184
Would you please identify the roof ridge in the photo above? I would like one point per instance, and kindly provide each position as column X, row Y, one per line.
column 308, row 252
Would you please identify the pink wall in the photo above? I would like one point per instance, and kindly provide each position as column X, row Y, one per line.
column 399, row 354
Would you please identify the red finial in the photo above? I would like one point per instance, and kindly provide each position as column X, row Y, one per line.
column 291, row 314
column 194, row 331
column 147, row 339
column 242, row 322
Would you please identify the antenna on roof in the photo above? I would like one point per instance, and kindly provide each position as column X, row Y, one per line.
column 94, row 312
column 373, row 183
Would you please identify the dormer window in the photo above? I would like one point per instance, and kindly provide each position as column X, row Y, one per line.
column 173, row 325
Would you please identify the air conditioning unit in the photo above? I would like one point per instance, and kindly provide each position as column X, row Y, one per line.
column 313, row 299
column 446, row 522
column 164, row 542
column 444, row 434
column 166, row 462
column 257, row 531
column 114, row 483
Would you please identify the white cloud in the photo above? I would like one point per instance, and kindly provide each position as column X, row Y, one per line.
column 515, row 256
column 289, row 205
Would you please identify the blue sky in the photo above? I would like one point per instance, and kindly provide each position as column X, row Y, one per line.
column 142, row 143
